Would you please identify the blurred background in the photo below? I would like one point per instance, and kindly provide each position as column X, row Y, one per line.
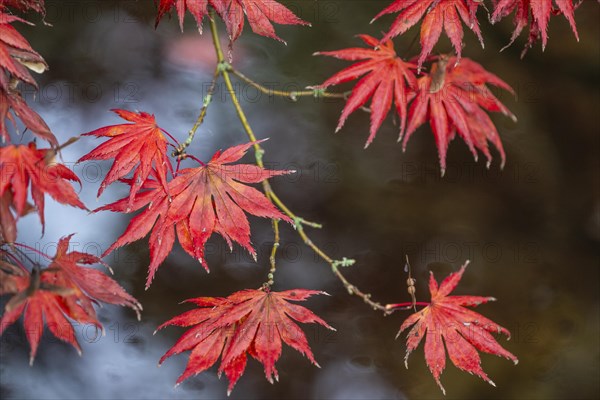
column 531, row 230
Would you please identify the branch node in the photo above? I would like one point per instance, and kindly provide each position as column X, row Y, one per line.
column 223, row 66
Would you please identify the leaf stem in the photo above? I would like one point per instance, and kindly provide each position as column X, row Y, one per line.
column 272, row 257
column 292, row 95
column 36, row 251
column 184, row 155
column 171, row 137
column 226, row 70
column 406, row 306
column 179, row 152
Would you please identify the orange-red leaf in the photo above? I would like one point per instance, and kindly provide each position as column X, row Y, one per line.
column 261, row 14
column 25, row 5
column 438, row 15
column 64, row 291
column 453, row 98
column 16, row 54
column 386, row 77
column 23, row 167
column 198, row 8
column 140, row 146
column 253, row 322
column 92, row 282
column 16, row 59
column 536, row 13
column 447, row 322
column 201, row 201
column 12, row 101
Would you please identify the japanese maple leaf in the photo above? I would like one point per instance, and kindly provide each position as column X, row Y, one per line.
column 12, row 101
column 95, row 284
column 386, row 77
column 23, row 167
column 16, row 57
column 253, row 322
column 447, row 322
column 537, row 14
column 261, row 14
column 16, row 54
column 201, row 201
column 198, row 8
column 140, row 145
column 58, row 293
column 439, row 14
column 453, row 97
column 25, row 5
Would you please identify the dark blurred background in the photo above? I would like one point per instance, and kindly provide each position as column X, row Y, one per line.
column 531, row 230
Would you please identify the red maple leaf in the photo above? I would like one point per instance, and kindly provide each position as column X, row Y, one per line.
column 12, row 101
column 439, row 14
column 16, row 58
column 25, row 5
column 454, row 96
column 198, row 8
column 386, row 77
column 201, row 201
column 16, row 54
column 537, row 14
column 92, row 282
column 63, row 290
column 463, row 331
column 260, row 13
column 253, row 322
column 22, row 167
column 141, row 145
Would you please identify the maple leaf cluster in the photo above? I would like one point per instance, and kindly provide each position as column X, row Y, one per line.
column 25, row 170
column 537, row 14
column 446, row 15
column 388, row 79
column 450, row 92
column 437, row 15
column 249, row 322
column 255, row 322
column 261, row 14
column 17, row 57
column 193, row 205
column 64, row 291
column 26, row 5
column 452, row 96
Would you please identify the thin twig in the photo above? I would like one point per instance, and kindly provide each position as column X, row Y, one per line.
column 292, row 95
column 272, row 257
column 179, row 152
column 226, row 71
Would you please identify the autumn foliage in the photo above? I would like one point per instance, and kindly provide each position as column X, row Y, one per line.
column 452, row 96
column 386, row 77
column 447, row 325
column 250, row 322
column 198, row 202
column 61, row 292
column 261, row 14
column 451, row 93
column 27, row 170
column 140, row 145
column 448, row 15
column 537, row 15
